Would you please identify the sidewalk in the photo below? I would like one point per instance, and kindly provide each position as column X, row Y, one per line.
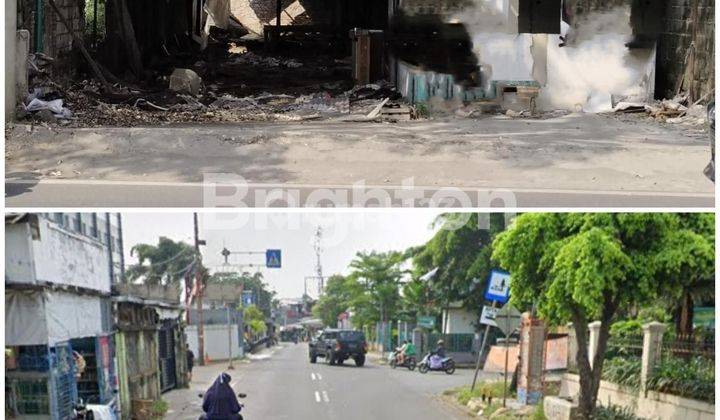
column 185, row 403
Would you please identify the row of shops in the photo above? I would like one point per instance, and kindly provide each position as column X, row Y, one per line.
column 74, row 331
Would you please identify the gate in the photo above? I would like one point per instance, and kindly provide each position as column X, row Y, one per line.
column 166, row 347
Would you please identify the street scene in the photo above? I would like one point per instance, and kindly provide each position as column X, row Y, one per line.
column 359, row 315
column 553, row 103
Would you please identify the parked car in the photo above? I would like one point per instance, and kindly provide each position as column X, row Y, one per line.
column 336, row 346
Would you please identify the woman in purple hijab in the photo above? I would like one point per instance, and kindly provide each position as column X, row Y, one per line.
column 220, row 402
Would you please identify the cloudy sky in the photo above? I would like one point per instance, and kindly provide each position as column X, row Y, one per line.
column 344, row 234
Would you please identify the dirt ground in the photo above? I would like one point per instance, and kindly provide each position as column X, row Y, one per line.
column 574, row 151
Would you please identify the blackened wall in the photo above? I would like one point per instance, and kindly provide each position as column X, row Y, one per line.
column 681, row 30
column 57, row 41
column 677, row 30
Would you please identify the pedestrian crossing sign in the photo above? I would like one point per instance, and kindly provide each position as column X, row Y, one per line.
column 273, row 258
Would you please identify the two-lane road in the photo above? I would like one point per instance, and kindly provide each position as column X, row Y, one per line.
column 286, row 386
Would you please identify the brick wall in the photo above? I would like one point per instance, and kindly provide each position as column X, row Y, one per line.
column 674, row 44
column 57, row 40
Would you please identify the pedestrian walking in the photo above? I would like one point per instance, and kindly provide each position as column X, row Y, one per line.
column 190, row 361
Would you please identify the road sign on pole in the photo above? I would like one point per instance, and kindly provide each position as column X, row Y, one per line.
column 273, row 258
column 488, row 316
column 508, row 319
column 426, row 322
column 498, row 288
column 248, row 298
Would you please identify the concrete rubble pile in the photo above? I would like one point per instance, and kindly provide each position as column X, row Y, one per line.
column 670, row 111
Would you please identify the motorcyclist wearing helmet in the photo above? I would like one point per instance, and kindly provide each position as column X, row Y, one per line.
column 440, row 349
column 220, row 402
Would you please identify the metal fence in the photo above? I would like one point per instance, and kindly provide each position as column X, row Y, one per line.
column 690, row 345
column 624, row 346
column 455, row 343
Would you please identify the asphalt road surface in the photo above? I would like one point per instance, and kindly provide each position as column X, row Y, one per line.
column 119, row 194
column 284, row 385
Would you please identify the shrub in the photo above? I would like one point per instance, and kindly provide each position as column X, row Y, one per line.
column 623, row 371
column 492, row 389
column 159, row 409
column 693, row 378
column 614, row 412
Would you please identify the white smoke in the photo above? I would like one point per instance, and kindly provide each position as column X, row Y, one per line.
column 596, row 65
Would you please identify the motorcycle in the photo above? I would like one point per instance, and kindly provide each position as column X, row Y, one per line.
column 239, row 416
column 436, row 363
column 410, row 361
column 82, row 412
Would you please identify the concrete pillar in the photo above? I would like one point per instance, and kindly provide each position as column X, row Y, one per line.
column 652, row 349
column 572, row 348
column 532, row 360
column 10, row 50
column 594, row 328
column 21, row 64
column 417, row 339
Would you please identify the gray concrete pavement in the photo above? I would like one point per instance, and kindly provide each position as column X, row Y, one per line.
column 286, row 386
column 572, row 161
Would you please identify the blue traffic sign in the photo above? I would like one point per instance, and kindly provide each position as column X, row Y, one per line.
column 248, row 297
column 273, row 258
column 498, row 287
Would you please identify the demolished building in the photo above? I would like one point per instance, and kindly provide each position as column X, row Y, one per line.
column 515, row 54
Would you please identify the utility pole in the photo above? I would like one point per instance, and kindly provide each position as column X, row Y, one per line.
column 230, row 349
column 199, row 293
column 318, row 266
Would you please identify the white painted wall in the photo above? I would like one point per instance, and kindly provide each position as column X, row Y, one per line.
column 459, row 321
column 216, row 341
column 18, row 259
column 66, row 258
column 655, row 405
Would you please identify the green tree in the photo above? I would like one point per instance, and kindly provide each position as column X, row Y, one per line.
column 340, row 294
column 168, row 262
column 587, row 267
column 254, row 318
column 685, row 263
column 461, row 251
column 380, row 274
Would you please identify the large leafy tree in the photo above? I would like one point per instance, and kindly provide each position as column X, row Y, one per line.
column 587, row 267
column 461, row 251
column 380, row 274
column 340, row 295
column 168, row 262
column 686, row 266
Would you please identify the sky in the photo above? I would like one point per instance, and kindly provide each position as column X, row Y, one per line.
column 344, row 234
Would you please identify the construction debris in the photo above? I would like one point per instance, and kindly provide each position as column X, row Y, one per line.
column 185, row 81
column 671, row 111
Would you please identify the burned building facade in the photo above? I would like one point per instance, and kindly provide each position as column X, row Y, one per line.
column 452, row 50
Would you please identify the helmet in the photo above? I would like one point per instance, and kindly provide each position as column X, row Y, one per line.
column 440, row 342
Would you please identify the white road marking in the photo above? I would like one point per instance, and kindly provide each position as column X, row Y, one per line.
column 325, row 397
column 312, row 376
column 319, row 377
column 317, row 396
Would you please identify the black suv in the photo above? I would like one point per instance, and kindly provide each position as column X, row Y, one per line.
column 336, row 346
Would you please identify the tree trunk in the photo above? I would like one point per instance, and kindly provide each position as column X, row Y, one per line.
column 586, row 399
column 684, row 316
